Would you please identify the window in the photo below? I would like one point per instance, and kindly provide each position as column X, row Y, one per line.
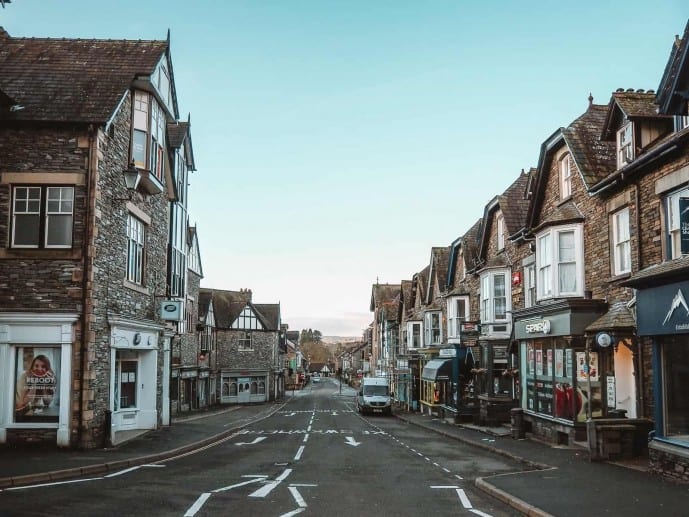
column 457, row 312
column 178, row 258
column 42, row 217
column 530, row 285
column 681, row 121
column 245, row 342
column 414, row 334
column 622, row 255
column 148, row 134
column 674, row 234
column 494, row 295
column 247, row 320
column 135, row 249
column 433, row 330
column 37, row 382
column 126, row 369
column 500, row 226
column 559, row 262
column 566, row 176
column 625, row 145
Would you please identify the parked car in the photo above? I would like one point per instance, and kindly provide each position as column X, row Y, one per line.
column 316, row 377
column 374, row 396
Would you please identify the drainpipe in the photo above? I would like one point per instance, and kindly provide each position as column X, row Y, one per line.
column 87, row 269
column 640, row 412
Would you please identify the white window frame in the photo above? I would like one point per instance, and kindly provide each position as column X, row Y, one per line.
column 565, row 176
column 245, row 342
column 136, row 241
column 673, row 232
column 455, row 314
column 549, row 264
column 52, row 203
column 431, row 329
column 410, row 334
column 149, row 126
column 500, row 229
column 625, row 145
column 489, row 307
column 621, row 242
column 530, row 295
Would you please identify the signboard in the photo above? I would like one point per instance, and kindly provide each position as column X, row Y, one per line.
column 610, row 383
column 663, row 309
column 538, row 327
column 684, row 224
column 469, row 327
column 446, row 352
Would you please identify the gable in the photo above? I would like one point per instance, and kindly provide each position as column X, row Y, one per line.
column 247, row 320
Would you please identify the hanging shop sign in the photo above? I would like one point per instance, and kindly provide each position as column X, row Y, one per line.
column 663, row 309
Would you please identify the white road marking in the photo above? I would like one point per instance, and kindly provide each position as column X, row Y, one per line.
column 454, row 487
column 302, row 484
column 297, row 496
column 125, row 471
column 225, row 488
column 267, row 489
column 291, row 414
column 52, row 484
column 293, row 512
column 458, row 476
column 479, row 512
column 299, row 453
column 306, row 438
column 464, row 499
column 257, row 440
column 352, row 442
column 446, row 470
column 197, row 504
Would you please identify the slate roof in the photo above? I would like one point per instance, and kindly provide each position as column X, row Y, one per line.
column 227, row 305
column 293, row 336
column 204, row 304
column 618, row 317
column 595, row 158
column 567, row 212
column 381, row 293
column 657, row 274
column 72, row 80
column 405, row 292
column 270, row 313
column 675, row 77
column 440, row 258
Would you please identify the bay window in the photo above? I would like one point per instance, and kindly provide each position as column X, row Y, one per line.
column 494, row 296
column 42, row 217
column 433, row 328
column 148, row 134
column 560, row 262
column 457, row 312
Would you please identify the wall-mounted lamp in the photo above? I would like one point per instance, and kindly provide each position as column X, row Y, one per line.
column 132, row 176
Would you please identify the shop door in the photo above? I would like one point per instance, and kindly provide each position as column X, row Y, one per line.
column 244, row 395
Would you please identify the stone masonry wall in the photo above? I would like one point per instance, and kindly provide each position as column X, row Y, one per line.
column 261, row 357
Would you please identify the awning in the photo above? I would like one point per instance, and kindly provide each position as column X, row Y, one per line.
column 435, row 368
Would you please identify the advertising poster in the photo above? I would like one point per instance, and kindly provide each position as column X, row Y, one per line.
column 559, row 363
column 539, row 362
column 583, row 369
column 549, row 365
column 36, row 385
column 530, row 358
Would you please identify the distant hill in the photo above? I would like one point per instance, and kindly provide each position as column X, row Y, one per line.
column 331, row 340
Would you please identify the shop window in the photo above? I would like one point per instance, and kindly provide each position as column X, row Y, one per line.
column 42, row 217
column 261, row 387
column 675, row 381
column 125, row 382
column 254, row 387
column 233, row 389
column 37, row 384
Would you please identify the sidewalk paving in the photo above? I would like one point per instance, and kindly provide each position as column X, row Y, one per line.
column 558, row 481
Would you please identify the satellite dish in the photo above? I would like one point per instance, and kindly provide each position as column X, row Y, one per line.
column 603, row 339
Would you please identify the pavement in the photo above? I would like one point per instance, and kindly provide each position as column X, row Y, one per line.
column 555, row 480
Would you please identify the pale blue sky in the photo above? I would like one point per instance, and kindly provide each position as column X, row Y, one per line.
column 338, row 141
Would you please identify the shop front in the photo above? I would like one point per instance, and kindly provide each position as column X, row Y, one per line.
column 498, row 391
column 559, row 379
column 134, row 377
column 244, row 386
column 436, row 385
column 35, row 377
column 663, row 325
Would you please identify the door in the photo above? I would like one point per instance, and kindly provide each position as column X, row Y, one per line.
column 244, row 387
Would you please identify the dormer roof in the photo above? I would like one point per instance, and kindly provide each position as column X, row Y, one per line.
column 673, row 91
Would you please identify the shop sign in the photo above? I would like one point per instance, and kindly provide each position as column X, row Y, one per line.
column 610, row 383
column 446, row 352
column 188, row 374
column 203, row 374
column 538, row 327
column 663, row 309
column 469, row 327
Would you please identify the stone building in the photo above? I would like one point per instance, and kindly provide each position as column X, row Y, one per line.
column 250, row 363
column 86, row 183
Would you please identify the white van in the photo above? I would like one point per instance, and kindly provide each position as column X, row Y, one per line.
column 374, row 396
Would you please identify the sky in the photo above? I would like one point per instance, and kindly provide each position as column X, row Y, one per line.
column 337, row 142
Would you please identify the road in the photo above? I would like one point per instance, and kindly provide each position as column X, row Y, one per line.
column 315, row 456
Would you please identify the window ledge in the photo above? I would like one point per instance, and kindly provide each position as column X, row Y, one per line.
column 618, row 278
column 40, row 253
column 135, row 287
column 564, row 200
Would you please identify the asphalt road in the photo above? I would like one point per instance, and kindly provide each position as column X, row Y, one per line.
column 316, row 456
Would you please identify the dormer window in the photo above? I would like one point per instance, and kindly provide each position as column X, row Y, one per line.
column 625, row 145
column 500, row 224
column 148, row 137
column 566, row 176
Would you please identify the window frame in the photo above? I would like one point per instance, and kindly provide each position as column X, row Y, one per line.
column 500, row 230
column 625, row 146
column 430, row 330
column 149, row 127
column 136, row 250
column 548, row 273
column 621, row 243
column 565, row 168
column 453, row 317
column 530, row 291
column 43, row 214
column 671, row 232
column 488, row 304
column 244, row 338
column 411, row 334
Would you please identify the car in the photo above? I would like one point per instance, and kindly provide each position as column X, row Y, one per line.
column 316, row 377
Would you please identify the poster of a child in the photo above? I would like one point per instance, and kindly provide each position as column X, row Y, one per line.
column 36, row 385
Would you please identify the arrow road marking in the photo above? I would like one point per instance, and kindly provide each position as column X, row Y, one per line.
column 351, row 441
column 291, row 414
column 257, row 440
column 255, row 480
